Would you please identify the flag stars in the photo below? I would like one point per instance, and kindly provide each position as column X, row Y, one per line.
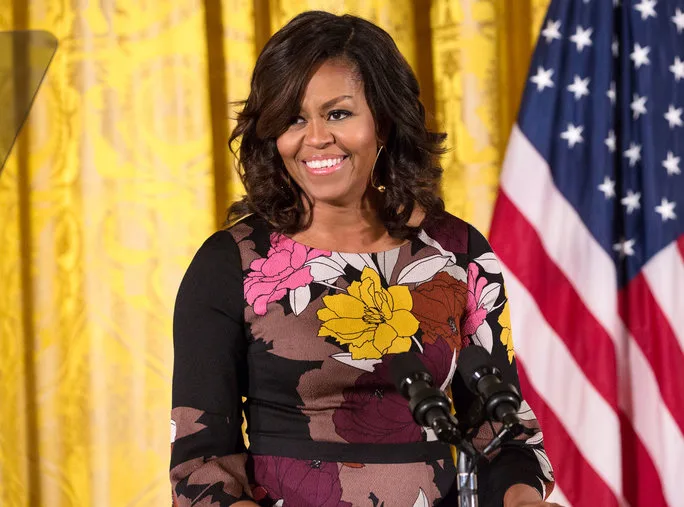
column 610, row 141
column 543, row 78
column 678, row 20
column 671, row 164
column 611, row 92
column 631, row 201
column 638, row 106
column 552, row 31
column 674, row 117
column 677, row 69
column 666, row 210
column 582, row 38
column 573, row 135
column 625, row 248
column 646, row 8
column 579, row 87
column 633, row 154
column 607, row 187
column 640, row 55
column 615, row 47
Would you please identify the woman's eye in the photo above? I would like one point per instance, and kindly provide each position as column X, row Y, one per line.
column 296, row 119
column 338, row 115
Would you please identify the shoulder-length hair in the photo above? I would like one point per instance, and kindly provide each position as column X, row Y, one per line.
column 409, row 168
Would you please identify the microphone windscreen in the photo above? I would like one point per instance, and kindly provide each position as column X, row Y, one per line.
column 405, row 365
column 471, row 359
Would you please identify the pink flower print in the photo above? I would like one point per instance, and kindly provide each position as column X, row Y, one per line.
column 283, row 269
column 475, row 311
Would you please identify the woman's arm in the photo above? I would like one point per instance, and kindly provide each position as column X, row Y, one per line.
column 209, row 378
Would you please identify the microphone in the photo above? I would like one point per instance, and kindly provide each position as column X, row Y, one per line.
column 483, row 378
column 427, row 403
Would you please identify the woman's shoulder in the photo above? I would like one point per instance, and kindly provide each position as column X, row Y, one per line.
column 450, row 231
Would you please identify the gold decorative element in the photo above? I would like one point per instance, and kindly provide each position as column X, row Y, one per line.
column 379, row 188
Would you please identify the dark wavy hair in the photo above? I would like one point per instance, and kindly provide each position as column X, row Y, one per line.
column 409, row 168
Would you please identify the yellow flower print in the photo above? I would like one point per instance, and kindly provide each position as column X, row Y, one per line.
column 372, row 320
column 506, row 336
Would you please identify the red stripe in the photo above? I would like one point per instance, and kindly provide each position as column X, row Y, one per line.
column 558, row 301
column 640, row 480
column 580, row 482
column 680, row 245
column 588, row 342
column 656, row 339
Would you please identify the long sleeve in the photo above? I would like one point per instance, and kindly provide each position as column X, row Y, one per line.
column 209, row 379
column 486, row 322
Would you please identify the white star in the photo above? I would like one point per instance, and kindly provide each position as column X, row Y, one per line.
column 633, row 153
column 615, row 47
column 631, row 201
column 610, row 141
column 552, row 31
column 611, row 93
column 625, row 247
column 671, row 163
column 607, row 187
column 573, row 134
column 579, row 87
column 674, row 117
column 543, row 78
column 646, row 8
column 638, row 105
column 582, row 38
column 678, row 19
column 666, row 210
column 616, row 3
column 677, row 68
column 640, row 55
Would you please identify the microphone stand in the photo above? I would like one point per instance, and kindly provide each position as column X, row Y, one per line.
column 466, row 480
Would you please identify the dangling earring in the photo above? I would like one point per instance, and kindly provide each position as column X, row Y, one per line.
column 379, row 188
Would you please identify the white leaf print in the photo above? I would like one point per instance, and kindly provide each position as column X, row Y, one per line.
column 360, row 364
column 422, row 235
column 299, row 299
column 456, row 271
column 525, row 412
column 537, row 438
column 387, row 261
column 279, row 503
column 489, row 263
column 337, row 258
column 452, row 370
column 359, row 261
column 489, row 296
column 545, row 464
column 422, row 500
column 430, row 435
column 323, row 268
column 173, row 431
column 483, row 336
column 423, row 269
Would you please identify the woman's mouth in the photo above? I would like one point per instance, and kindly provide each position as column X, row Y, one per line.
column 323, row 166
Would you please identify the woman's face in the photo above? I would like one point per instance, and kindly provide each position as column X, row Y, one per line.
column 330, row 148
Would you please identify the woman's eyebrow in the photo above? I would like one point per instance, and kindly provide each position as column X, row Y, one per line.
column 334, row 101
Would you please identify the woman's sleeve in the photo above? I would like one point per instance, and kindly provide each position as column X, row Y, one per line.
column 486, row 322
column 209, row 379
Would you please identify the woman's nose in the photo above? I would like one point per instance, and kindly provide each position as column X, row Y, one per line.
column 318, row 134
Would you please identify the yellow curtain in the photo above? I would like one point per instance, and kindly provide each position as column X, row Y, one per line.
column 122, row 171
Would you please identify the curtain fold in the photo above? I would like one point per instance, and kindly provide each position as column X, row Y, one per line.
column 123, row 170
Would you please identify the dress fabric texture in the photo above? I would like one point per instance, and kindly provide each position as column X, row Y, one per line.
column 299, row 340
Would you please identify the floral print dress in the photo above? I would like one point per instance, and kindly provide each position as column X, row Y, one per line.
column 299, row 340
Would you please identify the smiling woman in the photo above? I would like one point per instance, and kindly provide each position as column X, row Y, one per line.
column 342, row 257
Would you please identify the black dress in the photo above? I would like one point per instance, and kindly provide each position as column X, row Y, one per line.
column 300, row 340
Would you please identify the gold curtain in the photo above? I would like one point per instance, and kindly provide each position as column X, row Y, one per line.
column 122, row 171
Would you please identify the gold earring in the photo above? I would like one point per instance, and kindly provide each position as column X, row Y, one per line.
column 379, row 188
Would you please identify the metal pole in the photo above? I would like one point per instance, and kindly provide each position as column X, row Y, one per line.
column 467, row 481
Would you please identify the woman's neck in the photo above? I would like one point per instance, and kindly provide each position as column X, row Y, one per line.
column 350, row 230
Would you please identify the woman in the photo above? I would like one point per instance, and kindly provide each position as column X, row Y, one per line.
column 342, row 256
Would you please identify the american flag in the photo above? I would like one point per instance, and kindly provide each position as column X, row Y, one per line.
column 589, row 225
